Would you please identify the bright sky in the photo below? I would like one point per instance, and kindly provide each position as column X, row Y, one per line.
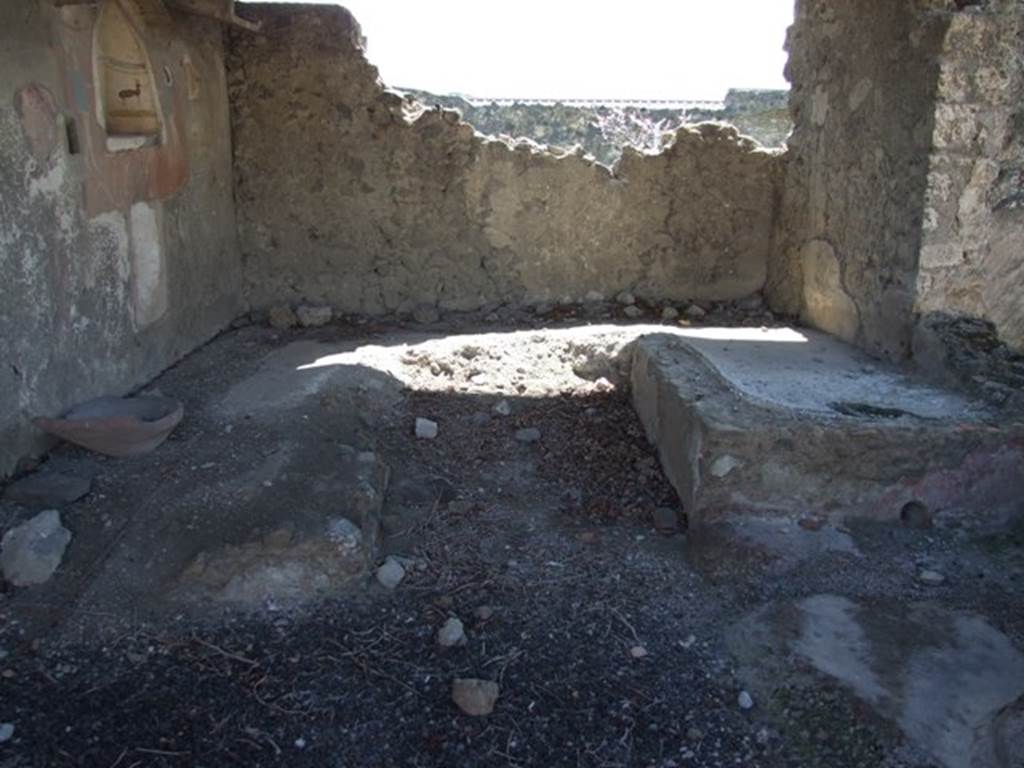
column 655, row 49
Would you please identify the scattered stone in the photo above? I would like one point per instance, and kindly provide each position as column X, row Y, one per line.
column 723, row 465
column 503, row 408
column 31, row 552
column 763, row 737
column 475, row 697
column 745, row 700
column 694, row 734
column 666, row 521
column 314, row 317
column 689, row 642
column 916, row 515
column 633, row 312
column 282, row 317
column 603, row 385
column 812, row 523
column 6, row 732
column 528, row 435
column 48, row 490
column 695, row 312
column 626, row 298
column 451, row 633
column 426, row 429
column 593, row 296
column 931, row 578
column 484, row 613
column 638, row 652
column 390, row 573
column 425, row 314
column 670, row 313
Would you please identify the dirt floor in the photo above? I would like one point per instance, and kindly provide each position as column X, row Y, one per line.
column 614, row 643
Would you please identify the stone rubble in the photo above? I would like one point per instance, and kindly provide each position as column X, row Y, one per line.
column 475, row 697
column 390, row 573
column 451, row 633
column 426, row 429
column 31, row 552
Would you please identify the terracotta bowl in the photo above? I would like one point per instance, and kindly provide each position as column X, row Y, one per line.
column 117, row 426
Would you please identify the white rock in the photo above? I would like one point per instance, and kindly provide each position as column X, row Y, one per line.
column 503, row 408
column 745, row 700
column 932, row 578
column 426, row 429
column 344, row 533
column 390, row 573
column 638, row 652
column 6, row 732
column 451, row 633
column 475, row 697
column 723, row 465
column 32, row 551
column 314, row 317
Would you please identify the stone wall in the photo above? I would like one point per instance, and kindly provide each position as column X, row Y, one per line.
column 350, row 196
column 903, row 194
column 972, row 256
column 864, row 76
column 115, row 263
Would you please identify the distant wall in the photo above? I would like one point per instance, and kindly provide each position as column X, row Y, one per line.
column 114, row 263
column 347, row 198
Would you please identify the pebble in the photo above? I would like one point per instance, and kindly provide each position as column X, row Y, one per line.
column 6, row 732
column 426, row 429
column 503, row 408
column 626, row 298
column 632, row 312
column 694, row 734
column 745, row 700
column 669, row 313
column 484, row 613
column 688, row 642
column 932, row 578
column 451, row 633
column 390, row 573
column 695, row 312
column 475, row 697
column 528, row 435
column 638, row 652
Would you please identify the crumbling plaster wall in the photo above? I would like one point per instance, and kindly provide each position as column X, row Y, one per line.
column 904, row 182
column 347, row 199
column 113, row 266
column 972, row 255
